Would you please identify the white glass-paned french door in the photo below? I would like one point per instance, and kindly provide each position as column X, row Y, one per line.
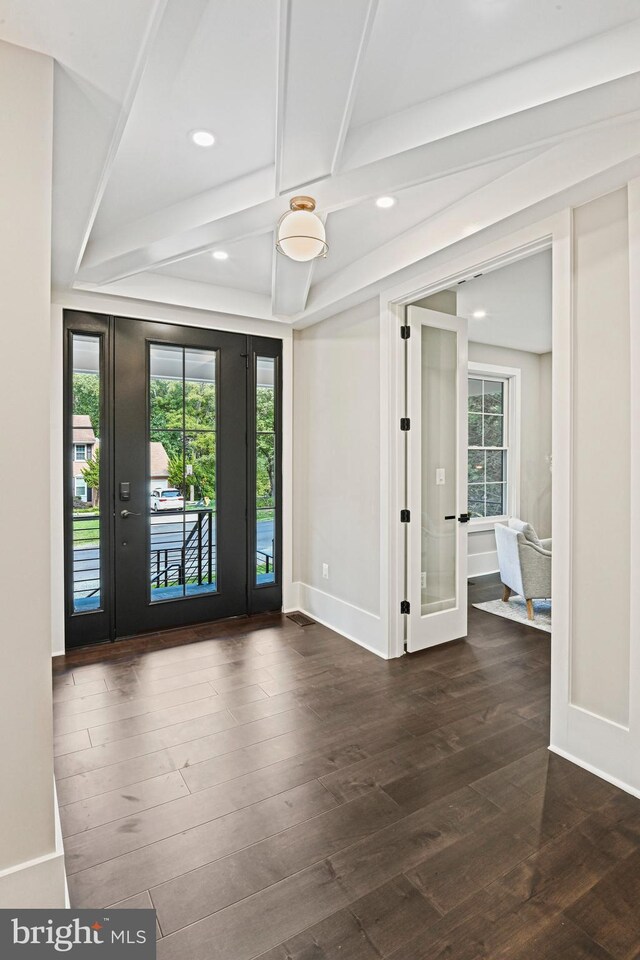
column 437, row 387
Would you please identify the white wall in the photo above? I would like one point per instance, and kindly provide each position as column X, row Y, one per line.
column 601, row 459
column 31, row 865
column 337, row 472
column 595, row 716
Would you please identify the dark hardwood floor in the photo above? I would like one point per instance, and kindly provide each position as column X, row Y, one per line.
column 278, row 792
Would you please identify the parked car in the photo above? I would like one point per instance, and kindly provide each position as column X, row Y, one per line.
column 166, row 500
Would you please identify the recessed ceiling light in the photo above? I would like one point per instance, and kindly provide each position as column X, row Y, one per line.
column 220, row 255
column 385, row 202
column 479, row 314
column 203, row 138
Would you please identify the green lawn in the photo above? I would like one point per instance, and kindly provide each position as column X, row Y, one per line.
column 86, row 532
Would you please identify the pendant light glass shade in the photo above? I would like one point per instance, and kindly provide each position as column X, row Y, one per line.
column 301, row 234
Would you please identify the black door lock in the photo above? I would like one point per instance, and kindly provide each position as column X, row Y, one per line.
column 464, row 518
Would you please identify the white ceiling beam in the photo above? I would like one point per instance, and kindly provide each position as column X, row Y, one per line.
column 541, row 125
column 586, row 64
column 322, row 46
column 314, row 109
column 82, row 164
column 290, row 285
column 553, row 172
column 216, row 205
column 160, row 288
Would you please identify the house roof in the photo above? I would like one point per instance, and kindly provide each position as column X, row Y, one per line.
column 83, row 432
column 158, row 460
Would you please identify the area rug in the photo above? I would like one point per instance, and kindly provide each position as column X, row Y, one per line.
column 516, row 609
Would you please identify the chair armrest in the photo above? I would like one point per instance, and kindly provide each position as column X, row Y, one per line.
column 546, row 544
column 539, row 549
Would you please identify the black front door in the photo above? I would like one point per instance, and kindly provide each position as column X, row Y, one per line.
column 187, row 434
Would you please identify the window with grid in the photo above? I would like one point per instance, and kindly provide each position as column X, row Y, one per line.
column 488, row 447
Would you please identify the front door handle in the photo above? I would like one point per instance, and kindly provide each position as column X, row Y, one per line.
column 128, row 513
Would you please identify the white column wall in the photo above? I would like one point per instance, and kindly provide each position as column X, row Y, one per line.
column 595, row 717
column 337, row 474
column 31, row 864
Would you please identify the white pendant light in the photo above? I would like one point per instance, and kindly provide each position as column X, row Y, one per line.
column 300, row 234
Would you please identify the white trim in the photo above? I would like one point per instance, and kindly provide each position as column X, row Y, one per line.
column 571, row 757
column 392, row 478
column 482, row 564
column 513, row 378
column 37, row 883
column 344, row 618
column 633, row 194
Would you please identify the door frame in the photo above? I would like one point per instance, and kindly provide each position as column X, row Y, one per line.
column 554, row 233
column 272, row 339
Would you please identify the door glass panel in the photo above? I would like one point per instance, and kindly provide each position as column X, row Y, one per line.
column 182, row 472
column 265, row 453
column 439, row 469
column 85, row 456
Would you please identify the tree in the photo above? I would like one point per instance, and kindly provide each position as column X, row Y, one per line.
column 266, row 444
column 86, row 398
column 91, row 475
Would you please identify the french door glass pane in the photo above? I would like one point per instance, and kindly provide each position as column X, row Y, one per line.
column 439, row 453
column 265, row 453
column 85, row 454
column 182, row 471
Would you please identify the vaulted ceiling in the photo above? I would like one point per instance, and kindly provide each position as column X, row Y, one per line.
column 467, row 113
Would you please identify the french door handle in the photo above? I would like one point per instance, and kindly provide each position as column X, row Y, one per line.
column 464, row 518
column 128, row 513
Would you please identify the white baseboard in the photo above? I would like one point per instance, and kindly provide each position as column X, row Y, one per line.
column 595, row 770
column 345, row 618
column 39, row 883
column 480, row 564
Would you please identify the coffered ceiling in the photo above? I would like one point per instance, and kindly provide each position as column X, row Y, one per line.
column 467, row 113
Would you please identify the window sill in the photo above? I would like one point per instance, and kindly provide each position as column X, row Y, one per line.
column 478, row 526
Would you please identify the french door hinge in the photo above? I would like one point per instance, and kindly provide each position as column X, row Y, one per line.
column 405, row 516
column 405, row 423
column 405, row 331
column 405, row 606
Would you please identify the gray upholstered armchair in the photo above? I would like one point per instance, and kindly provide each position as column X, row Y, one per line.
column 524, row 561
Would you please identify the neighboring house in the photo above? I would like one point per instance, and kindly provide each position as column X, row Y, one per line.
column 85, row 444
column 158, row 465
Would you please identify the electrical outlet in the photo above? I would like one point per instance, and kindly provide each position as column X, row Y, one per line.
column 423, row 580
column 325, row 571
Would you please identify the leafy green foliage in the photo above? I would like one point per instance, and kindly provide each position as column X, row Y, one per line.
column 91, row 474
column 196, row 422
column 86, row 398
column 168, row 420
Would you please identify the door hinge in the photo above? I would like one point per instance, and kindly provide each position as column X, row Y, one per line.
column 405, row 516
column 405, row 331
column 405, row 606
column 405, row 423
